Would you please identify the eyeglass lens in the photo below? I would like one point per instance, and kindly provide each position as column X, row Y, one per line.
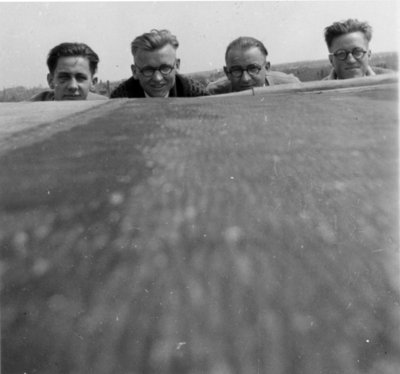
column 237, row 71
column 163, row 69
column 356, row 53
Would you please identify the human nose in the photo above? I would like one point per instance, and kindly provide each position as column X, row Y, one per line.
column 246, row 76
column 157, row 76
column 73, row 85
column 350, row 57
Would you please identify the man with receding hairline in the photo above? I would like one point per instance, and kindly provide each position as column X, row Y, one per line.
column 155, row 69
column 247, row 67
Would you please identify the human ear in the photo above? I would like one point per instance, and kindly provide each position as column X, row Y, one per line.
column 50, row 80
column 94, row 82
column 267, row 65
column 177, row 63
column 226, row 71
column 331, row 59
column 134, row 71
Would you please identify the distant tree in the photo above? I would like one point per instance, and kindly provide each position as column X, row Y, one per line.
column 19, row 93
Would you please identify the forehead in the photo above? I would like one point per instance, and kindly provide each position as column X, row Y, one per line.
column 73, row 65
column 244, row 57
column 164, row 55
column 349, row 41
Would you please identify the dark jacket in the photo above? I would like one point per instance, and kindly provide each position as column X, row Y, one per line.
column 184, row 87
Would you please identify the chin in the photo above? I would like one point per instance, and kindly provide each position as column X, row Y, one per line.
column 245, row 88
column 357, row 73
column 73, row 98
column 158, row 94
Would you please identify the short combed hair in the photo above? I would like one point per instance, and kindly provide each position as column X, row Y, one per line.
column 344, row 27
column 153, row 40
column 246, row 42
column 72, row 50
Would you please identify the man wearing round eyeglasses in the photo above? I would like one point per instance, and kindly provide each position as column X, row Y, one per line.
column 247, row 67
column 348, row 44
column 155, row 69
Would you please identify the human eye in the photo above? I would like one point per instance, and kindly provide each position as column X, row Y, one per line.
column 81, row 77
column 254, row 69
column 341, row 54
column 236, row 68
column 357, row 52
column 63, row 77
column 236, row 71
column 147, row 71
column 165, row 69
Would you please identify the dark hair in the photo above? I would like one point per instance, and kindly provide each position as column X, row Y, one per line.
column 155, row 39
column 246, row 42
column 344, row 27
column 70, row 50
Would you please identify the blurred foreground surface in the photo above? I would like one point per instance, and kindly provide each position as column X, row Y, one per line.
column 254, row 234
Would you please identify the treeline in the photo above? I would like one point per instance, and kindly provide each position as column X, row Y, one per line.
column 21, row 93
column 306, row 71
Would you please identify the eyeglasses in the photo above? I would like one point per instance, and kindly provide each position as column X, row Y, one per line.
column 149, row 71
column 237, row 71
column 342, row 54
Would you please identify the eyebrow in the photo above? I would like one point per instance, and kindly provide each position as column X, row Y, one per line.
column 155, row 67
column 68, row 74
column 241, row 66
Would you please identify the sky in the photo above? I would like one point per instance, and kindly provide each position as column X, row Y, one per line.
column 291, row 30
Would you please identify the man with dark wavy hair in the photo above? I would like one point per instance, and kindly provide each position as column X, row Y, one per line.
column 72, row 67
column 155, row 69
column 349, row 53
column 247, row 67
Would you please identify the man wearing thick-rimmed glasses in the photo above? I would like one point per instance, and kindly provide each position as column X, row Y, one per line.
column 349, row 53
column 247, row 67
column 155, row 69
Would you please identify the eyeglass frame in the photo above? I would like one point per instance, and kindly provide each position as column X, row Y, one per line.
column 259, row 67
column 335, row 54
column 154, row 70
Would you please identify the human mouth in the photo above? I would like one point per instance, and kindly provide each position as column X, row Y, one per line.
column 72, row 97
column 158, row 87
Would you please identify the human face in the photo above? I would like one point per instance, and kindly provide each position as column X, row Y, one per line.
column 244, row 58
column 350, row 67
column 71, row 79
column 158, row 85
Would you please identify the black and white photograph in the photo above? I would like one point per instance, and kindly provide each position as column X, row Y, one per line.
column 199, row 187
